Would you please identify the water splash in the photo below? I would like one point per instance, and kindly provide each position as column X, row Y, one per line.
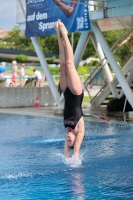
column 47, row 141
column 72, row 162
column 15, row 176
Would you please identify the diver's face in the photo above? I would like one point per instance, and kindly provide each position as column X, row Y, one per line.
column 70, row 138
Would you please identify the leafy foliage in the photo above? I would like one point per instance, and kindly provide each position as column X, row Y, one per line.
column 83, row 70
column 54, row 70
column 50, row 60
column 16, row 40
column 29, row 71
column 21, row 58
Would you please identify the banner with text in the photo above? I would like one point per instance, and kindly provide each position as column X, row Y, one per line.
column 41, row 15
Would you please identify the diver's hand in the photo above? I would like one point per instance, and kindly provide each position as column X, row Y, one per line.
column 118, row 45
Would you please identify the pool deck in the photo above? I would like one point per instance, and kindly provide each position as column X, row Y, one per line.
column 54, row 111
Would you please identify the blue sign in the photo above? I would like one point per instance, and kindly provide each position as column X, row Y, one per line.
column 42, row 14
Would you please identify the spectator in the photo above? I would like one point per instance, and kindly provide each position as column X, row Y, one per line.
column 38, row 77
column 8, row 78
column 4, row 65
column 2, row 69
column 22, row 74
column 15, row 69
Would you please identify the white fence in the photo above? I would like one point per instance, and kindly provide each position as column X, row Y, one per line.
column 82, row 78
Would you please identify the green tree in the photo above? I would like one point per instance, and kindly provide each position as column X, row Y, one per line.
column 16, row 40
column 123, row 53
column 21, row 58
column 50, row 60
column 49, row 44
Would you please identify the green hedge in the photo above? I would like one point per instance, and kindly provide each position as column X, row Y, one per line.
column 21, row 58
column 83, row 70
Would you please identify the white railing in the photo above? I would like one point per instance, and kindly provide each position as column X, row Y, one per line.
column 82, row 78
column 56, row 78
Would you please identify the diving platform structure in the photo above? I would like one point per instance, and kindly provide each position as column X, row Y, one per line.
column 104, row 15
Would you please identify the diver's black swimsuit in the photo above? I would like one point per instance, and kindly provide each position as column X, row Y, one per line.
column 72, row 110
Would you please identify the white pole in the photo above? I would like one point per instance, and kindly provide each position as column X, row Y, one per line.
column 104, row 64
column 113, row 63
column 91, row 5
column 83, row 40
column 72, row 40
column 129, row 80
column 46, row 70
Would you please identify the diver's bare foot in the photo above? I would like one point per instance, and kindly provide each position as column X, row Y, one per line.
column 56, row 26
column 62, row 28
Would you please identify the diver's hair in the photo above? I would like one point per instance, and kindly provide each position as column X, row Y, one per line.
column 71, row 147
column 59, row 89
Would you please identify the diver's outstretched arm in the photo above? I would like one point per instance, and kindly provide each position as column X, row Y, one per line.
column 79, row 138
column 66, row 149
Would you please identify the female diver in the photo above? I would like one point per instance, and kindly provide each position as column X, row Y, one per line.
column 71, row 86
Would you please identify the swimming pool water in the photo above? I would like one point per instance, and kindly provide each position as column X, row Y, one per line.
column 32, row 168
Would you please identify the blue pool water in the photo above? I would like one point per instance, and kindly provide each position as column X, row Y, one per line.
column 32, row 167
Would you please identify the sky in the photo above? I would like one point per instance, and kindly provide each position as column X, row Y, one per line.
column 8, row 14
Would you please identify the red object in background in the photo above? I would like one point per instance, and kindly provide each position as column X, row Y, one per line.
column 13, row 79
column 1, row 75
column 37, row 103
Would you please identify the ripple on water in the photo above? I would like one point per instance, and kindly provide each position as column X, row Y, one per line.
column 32, row 165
